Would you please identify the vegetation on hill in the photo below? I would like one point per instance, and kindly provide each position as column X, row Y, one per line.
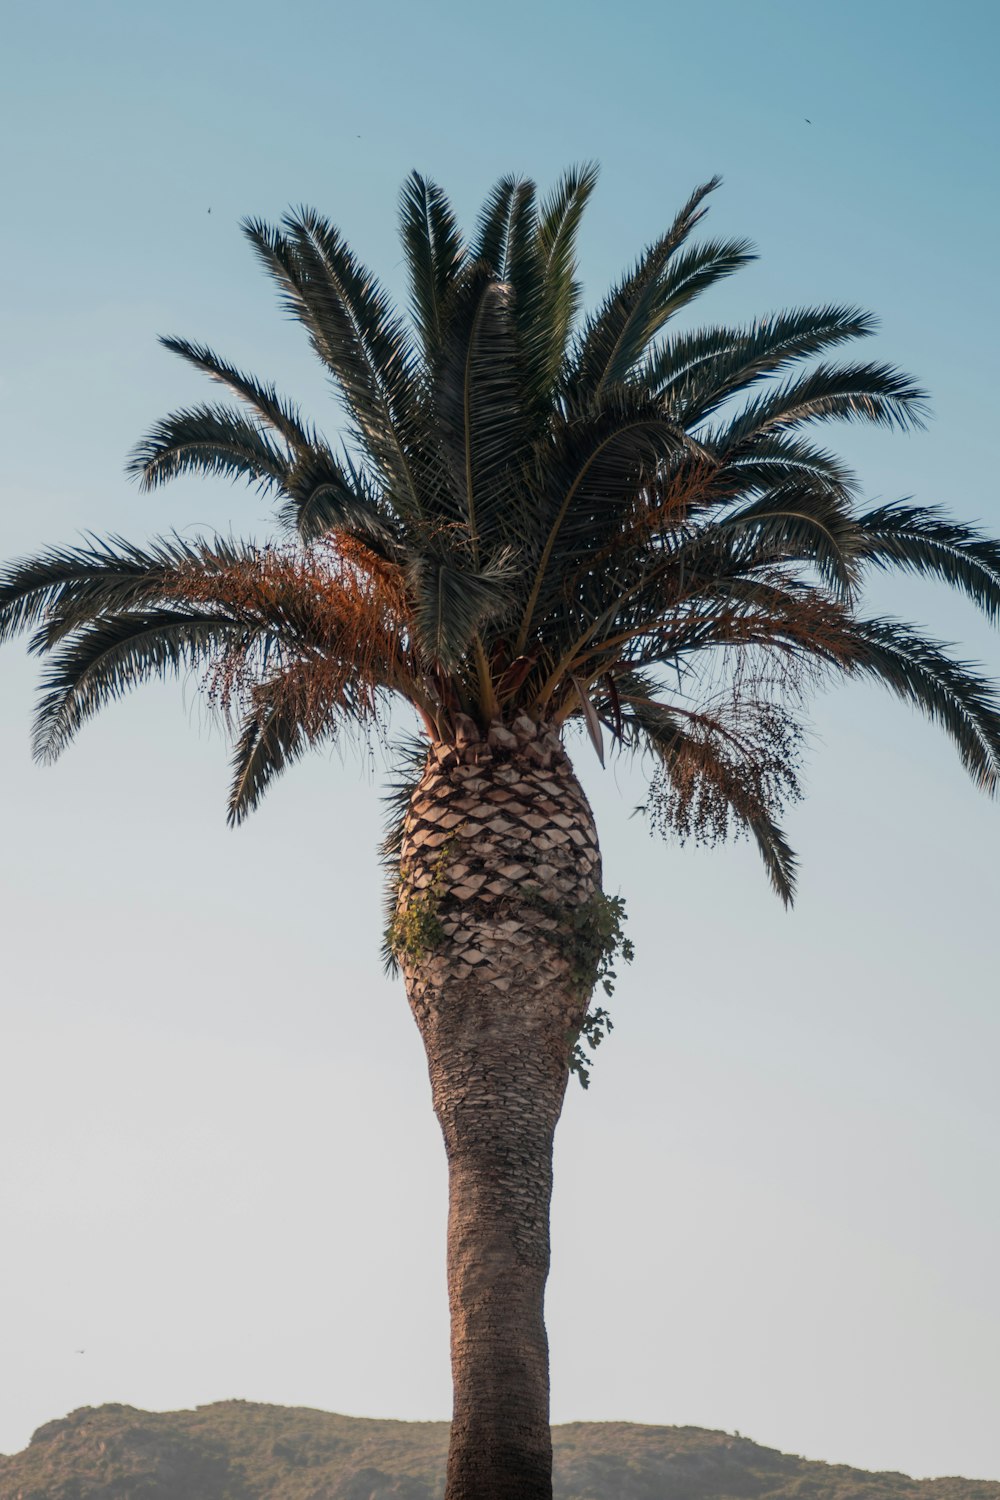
column 240, row 1450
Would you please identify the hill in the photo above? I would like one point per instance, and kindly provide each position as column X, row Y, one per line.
column 239, row 1450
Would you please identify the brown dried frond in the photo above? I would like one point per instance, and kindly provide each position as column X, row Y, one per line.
column 330, row 617
column 765, row 612
column 386, row 576
column 669, row 499
column 316, row 695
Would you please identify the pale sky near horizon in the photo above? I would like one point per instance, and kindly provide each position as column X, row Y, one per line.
column 778, row 1208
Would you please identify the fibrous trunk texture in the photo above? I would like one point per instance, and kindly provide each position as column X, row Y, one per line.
column 499, row 854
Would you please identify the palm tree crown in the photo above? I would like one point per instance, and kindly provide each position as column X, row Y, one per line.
column 533, row 515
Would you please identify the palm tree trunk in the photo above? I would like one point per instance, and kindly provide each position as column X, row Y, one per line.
column 498, row 866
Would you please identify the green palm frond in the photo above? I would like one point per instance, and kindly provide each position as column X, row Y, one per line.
column 508, row 245
column 780, row 860
column 521, row 263
column 451, row 603
column 773, row 459
column 344, row 296
column 525, row 272
column 319, row 493
column 560, row 217
column 688, row 274
column 435, row 253
column 263, row 399
column 507, row 201
column 923, row 540
column 663, row 281
column 696, row 373
column 797, row 525
column 596, row 465
column 102, row 662
column 356, row 336
column 477, row 396
column 951, row 693
column 215, row 440
column 281, row 723
column 30, row 588
column 874, row 393
column 325, row 496
column 68, row 587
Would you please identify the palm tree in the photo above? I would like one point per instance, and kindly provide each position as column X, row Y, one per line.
column 536, row 521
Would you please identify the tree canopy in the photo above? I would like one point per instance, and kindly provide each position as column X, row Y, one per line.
column 616, row 516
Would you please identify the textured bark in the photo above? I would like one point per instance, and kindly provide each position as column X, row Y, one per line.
column 499, row 845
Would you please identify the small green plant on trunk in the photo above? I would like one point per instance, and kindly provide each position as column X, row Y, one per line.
column 592, row 938
column 414, row 929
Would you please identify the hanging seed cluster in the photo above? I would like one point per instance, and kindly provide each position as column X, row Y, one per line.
column 744, row 756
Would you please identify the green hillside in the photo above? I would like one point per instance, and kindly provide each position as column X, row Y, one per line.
column 239, row 1450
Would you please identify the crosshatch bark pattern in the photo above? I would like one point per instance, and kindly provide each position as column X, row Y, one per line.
column 498, row 839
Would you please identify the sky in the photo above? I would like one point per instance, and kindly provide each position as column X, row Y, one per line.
column 777, row 1208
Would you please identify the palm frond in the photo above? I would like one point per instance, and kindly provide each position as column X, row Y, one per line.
column 31, row 587
column 692, row 272
column 801, row 525
column 774, row 459
column 664, row 280
column 763, row 616
column 102, row 662
column 508, row 243
column 434, row 255
column 950, row 693
column 209, row 440
column 325, row 496
column 284, row 720
column 263, row 399
column 874, row 393
column 507, row 200
column 923, row 540
column 67, row 587
column 476, row 396
column 525, row 272
column 596, row 466
column 780, row 860
column 560, row 216
column 355, row 334
column 736, row 765
column 450, row 603
column 696, row 373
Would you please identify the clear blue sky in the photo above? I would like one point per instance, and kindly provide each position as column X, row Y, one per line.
column 777, row 1209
